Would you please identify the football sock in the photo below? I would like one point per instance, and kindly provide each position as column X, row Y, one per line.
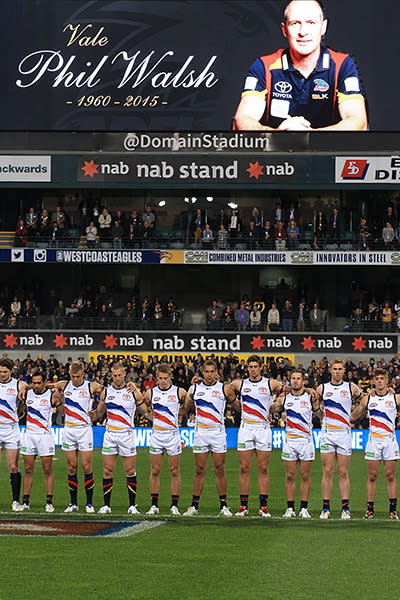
column 263, row 499
column 370, row 506
column 49, row 499
column 244, row 500
column 345, row 504
column 107, row 488
column 15, row 479
column 174, row 500
column 89, row 485
column 303, row 504
column 25, row 499
column 325, row 505
column 154, row 500
column 290, row 504
column 222, row 501
column 392, row 504
column 73, row 488
column 131, row 483
column 195, row 502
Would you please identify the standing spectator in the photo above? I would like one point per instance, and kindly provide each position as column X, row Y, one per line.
column 3, row 317
column 242, row 317
column 21, row 234
column 144, row 315
column 87, row 315
column 301, row 317
column 256, row 217
column 280, row 236
column 291, row 214
column 293, row 233
column 388, row 236
column 55, row 235
column 58, row 219
column 44, row 226
column 146, row 234
column 316, row 317
column 133, row 235
column 59, row 314
column 222, row 219
column 363, row 235
column 207, row 236
column 197, row 225
column 222, row 238
column 31, row 223
column 335, row 227
column 128, row 316
column 91, row 235
column 357, row 319
column 252, row 236
column 105, row 225
column 84, row 220
column 234, row 225
column 389, row 217
column 149, row 216
column 320, row 231
column 255, row 317
column 28, row 315
column 158, row 315
column 116, row 233
column 228, row 318
column 273, row 318
column 287, row 316
column 278, row 214
column 214, row 315
column 268, row 236
column 386, row 318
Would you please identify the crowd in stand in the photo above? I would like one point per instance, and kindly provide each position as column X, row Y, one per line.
column 257, row 315
column 230, row 367
column 95, row 311
column 376, row 316
column 280, row 231
column 274, row 228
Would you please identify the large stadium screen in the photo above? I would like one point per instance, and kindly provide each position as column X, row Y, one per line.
column 125, row 65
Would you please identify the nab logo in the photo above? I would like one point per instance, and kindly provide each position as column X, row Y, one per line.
column 355, row 169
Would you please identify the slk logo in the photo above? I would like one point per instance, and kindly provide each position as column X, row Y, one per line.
column 355, row 169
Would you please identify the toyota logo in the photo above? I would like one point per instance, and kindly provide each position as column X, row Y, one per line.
column 283, row 87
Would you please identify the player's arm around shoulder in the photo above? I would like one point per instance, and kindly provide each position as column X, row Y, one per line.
column 356, row 393
column 277, row 405
column 98, row 414
column 277, row 387
column 397, row 397
column 184, row 402
column 143, row 403
column 95, row 388
column 360, row 409
column 57, row 401
column 230, row 395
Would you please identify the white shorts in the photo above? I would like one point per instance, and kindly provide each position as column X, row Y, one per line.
column 119, row 442
column 298, row 450
column 209, row 440
column 336, row 442
column 165, row 441
column 10, row 437
column 254, row 438
column 77, row 438
column 382, row 449
column 37, row 444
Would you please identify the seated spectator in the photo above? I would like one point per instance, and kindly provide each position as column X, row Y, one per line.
column 229, row 419
column 31, row 223
column 28, row 315
column 388, row 236
column 116, row 234
column 91, row 235
column 21, row 234
column 12, row 322
column 72, row 316
column 207, row 237
column 320, row 231
column 228, row 318
column 280, row 236
column 174, row 316
column 273, row 318
column 222, row 238
column 363, row 235
column 105, row 225
column 149, row 217
column 242, row 317
column 268, row 236
column 255, row 317
column 133, row 235
column 105, row 317
column 293, row 233
column 214, row 315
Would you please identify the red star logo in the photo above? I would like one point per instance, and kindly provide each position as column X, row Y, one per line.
column 60, row 341
column 257, row 342
column 110, row 341
column 255, row 170
column 308, row 343
column 90, row 168
column 359, row 344
column 10, row 340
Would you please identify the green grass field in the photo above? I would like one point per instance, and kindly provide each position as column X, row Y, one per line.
column 206, row 556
